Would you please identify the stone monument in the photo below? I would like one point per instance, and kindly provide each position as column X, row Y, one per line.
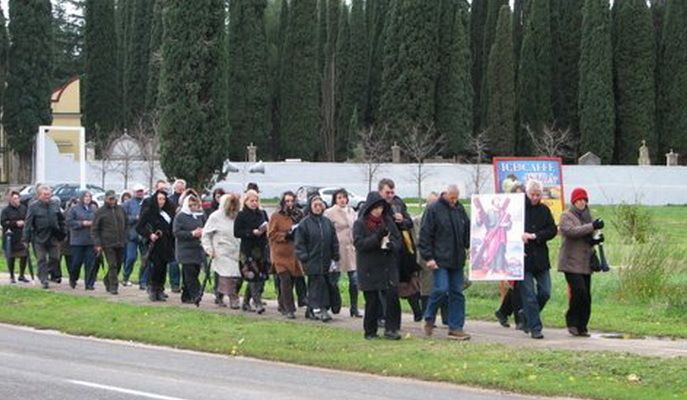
column 644, row 158
column 672, row 159
column 395, row 153
column 252, row 153
column 589, row 158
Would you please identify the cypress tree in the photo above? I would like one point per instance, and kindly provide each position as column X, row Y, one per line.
column 138, row 57
column 519, row 8
column 597, row 113
column 248, row 73
column 377, row 14
column 124, row 10
column 478, row 17
column 68, row 37
column 500, row 93
column 194, row 126
column 358, row 59
column 492, row 15
column 534, row 75
column 566, row 25
column 634, row 62
column 4, row 50
column 279, row 43
column 101, row 94
column 410, row 66
column 453, row 117
column 299, row 102
column 344, row 104
column 321, row 34
column 153, row 85
column 27, row 95
column 673, row 79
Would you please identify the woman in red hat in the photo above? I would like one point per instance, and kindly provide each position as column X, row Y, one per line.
column 577, row 229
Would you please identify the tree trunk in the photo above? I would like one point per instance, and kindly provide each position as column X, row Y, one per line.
column 25, row 172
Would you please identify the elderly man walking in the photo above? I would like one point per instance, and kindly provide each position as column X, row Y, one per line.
column 444, row 237
column 45, row 228
column 109, row 236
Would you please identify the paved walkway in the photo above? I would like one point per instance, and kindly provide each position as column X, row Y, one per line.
column 481, row 331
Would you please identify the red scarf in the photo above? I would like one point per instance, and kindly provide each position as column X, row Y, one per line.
column 373, row 223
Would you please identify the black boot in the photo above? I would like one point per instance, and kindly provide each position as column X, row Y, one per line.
column 353, row 293
column 414, row 302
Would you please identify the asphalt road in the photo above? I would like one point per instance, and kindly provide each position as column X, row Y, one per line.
column 48, row 365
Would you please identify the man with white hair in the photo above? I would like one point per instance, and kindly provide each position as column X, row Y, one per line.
column 444, row 237
column 44, row 228
column 539, row 229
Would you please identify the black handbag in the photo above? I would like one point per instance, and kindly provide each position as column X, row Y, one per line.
column 594, row 262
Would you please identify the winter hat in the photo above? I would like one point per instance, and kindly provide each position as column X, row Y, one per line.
column 110, row 194
column 578, row 194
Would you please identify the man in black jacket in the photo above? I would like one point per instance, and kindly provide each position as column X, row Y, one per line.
column 444, row 237
column 45, row 228
column 12, row 218
column 109, row 237
column 539, row 229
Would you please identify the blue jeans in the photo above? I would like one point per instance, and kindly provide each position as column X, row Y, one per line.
column 447, row 282
column 83, row 255
column 534, row 301
column 174, row 274
column 133, row 247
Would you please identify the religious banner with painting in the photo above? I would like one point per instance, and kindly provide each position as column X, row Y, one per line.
column 512, row 173
column 497, row 222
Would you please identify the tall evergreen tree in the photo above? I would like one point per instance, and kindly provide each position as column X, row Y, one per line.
column 321, row 34
column 299, row 100
column 27, row 96
column 478, row 18
column 597, row 111
column 124, row 11
column 492, row 15
column 634, row 62
column 4, row 50
column 329, row 88
column 68, row 38
column 519, row 8
column 500, row 94
column 534, row 75
column 153, row 85
column 278, row 40
column 673, row 79
column 566, row 26
column 358, row 60
column 137, row 60
column 343, row 77
column 410, row 66
column 249, row 96
column 377, row 14
column 194, row 126
column 101, row 95
column 453, row 117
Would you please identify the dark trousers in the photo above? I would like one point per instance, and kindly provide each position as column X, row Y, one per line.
column 191, row 287
column 580, row 305
column 301, row 291
column 114, row 257
column 286, row 301
column 48, row 256
column 512, row 303
column 535, row 291
column 353, row 290
column 174, row 274
column 318, row 292
column 83, row 255
column 157, row 271
column 374, row 306
column 22, row 265
column 443, row 308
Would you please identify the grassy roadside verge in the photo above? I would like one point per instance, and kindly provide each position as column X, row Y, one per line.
column 544, row 372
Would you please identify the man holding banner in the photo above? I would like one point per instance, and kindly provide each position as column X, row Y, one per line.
column 539, row 229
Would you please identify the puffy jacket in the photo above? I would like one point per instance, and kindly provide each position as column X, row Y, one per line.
column 445, row 234
column 109, row 227
column 80, row 235
column 538, row 220
column 316, row 244
column 378, row 269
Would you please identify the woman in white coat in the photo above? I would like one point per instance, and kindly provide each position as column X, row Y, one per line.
column 343, row 217
column 223, row 248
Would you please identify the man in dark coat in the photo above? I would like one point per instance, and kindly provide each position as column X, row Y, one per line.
column 444, row 237
column 12, row 219
column 45, row 228
column 317, row 247
column 539, row 229
column 109, row 237
column 378, row 244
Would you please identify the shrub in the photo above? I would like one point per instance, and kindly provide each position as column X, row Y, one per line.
column 632, row 222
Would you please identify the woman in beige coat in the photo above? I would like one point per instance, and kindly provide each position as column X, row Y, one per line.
column 223, row 248
column 343, row 216
column 577, row 229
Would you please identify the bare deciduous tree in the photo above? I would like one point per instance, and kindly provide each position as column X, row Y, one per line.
column 553, row 142
column 478, row 146
column 123, row 152
column 420, row 143
column 372, row 152
column 147, row 133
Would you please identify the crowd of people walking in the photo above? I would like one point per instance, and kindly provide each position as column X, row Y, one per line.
column 381, row 250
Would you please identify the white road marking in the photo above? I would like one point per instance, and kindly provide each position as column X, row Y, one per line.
column 123, row 390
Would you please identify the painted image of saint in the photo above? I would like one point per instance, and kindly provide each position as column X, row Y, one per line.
column 491, row 255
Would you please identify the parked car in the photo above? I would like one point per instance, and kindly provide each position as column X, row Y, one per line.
column 354, row 200
column 28, row 192
column 69, row 191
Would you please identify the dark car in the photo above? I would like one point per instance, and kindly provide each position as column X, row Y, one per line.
column 70, row 191
column 304, row 193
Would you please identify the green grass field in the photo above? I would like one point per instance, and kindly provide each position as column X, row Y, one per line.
column 543, row 372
